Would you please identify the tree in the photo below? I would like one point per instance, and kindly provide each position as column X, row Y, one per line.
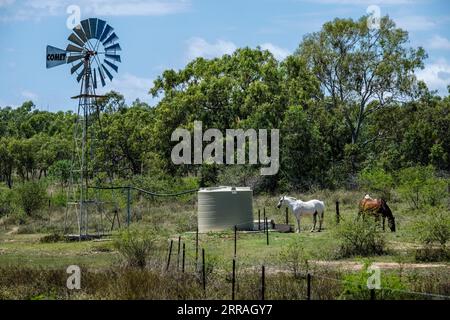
column 362, row 70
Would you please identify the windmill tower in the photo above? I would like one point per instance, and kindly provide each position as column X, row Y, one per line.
column 92, row 51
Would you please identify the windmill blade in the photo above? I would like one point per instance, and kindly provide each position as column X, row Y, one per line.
column 100, row 27
column 74, row 58
column 87, row 30
column 76, row 67
column 55, row 57
column 80, row 75
column 107, row 73
column 112, row 65
column 114, row 47
column 76, row 40
column 113, row 37
column 72, row 48
column 114, row 57
column 102, row 77
column 95, row 79
column 93, row 26
column 106, row 32
column 80, row 33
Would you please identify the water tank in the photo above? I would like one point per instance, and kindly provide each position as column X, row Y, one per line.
column 222, row 208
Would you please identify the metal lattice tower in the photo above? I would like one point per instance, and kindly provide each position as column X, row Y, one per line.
column 83, row 51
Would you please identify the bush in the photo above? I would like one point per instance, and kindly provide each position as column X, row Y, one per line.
column 31, row 197
column 361, row 237
column 433, row 231
column 135, row 245
column 355, row 286
column 295, row 257
column 419, row 186
column 377, row 179
column 6, row 202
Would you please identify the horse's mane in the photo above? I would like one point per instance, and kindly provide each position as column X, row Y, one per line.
column 292, row 198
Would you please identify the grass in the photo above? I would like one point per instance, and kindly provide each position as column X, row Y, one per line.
column 26, row 251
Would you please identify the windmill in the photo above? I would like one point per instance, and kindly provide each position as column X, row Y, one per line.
column 93, row 53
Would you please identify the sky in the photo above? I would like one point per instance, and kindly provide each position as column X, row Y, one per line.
column 156, row 35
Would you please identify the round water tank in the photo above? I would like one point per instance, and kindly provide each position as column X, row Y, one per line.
column 222, row 208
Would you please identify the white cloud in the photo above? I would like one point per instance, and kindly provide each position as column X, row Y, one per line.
column 29, row 95
column 364, row 2
column 278, row 52
column 436, row 75
column 415, row 23
column 38, row 9
column 198, row 47
column 438, row 42
column 132, row 87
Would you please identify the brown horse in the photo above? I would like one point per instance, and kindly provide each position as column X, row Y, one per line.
column 377, row 208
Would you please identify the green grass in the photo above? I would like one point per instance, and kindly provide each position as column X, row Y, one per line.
column 179, row 218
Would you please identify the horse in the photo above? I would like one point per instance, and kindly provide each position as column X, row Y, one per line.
column 301, row 208
column 377, row 208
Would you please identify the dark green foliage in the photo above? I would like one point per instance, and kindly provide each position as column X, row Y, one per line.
column 31, row 197
column 362, row 237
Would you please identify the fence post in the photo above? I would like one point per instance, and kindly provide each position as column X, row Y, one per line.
column 259, row 219
column 264, row 217
column 184, row 257
column 233, row 280
column 337, row 212
column 128, row 205
column 196, row 250
column 170, row 253
column 203, row 270
column 263, row 282
column 178, row 252
column 267, row 231
column 372, row 294
column 308, row 286
column 235, row 241
column 287, row 215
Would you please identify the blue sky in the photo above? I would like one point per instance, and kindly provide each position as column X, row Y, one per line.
column 158, row 34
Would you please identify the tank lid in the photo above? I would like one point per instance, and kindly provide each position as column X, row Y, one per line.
column 224, row 188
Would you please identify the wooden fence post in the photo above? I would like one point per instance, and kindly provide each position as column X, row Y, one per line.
column 233, row 280
column 170, row 253
column 338, row 218
column 267, row 231
column 263, row 282
column 235, row 241
column 308, row 286
column 264, row 217
column 372, row 294
column 259, row 219
column 184, row 257
column 178, row 252
column 203, row 270
column 196, row 250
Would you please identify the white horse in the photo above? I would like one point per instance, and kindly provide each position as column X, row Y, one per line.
column 312, row 208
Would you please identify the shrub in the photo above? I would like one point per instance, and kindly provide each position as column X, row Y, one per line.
column 377, row 179
column 433, row 231
column 135, row 245
column 31, row 197
column 6, row 202
column 295, row 257
column 419, row 186
column 361, row 237
column 355, row 285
